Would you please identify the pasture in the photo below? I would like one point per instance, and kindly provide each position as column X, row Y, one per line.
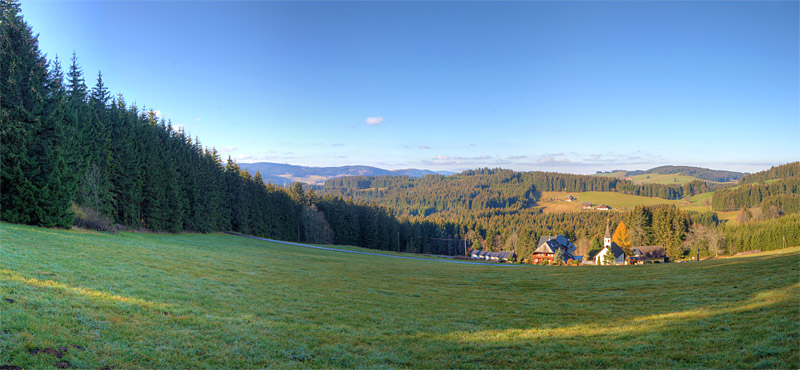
column 93, row 300
column 613, row 199
column 666, row 179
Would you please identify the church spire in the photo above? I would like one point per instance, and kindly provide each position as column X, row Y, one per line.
column 608, row 226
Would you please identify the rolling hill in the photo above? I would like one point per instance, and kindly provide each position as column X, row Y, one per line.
column 686, row 173
column 286, row 174
column 209, row 301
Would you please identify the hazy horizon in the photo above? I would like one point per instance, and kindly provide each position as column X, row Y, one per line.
column 513, row 169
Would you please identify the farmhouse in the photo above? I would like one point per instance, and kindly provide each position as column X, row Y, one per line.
column 603, row 207
column 492, row 256
column 570, row 198
column 549, row 246
column 609, row 247
column 651, row 253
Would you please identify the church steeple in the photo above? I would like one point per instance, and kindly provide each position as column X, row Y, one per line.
column 607, row 237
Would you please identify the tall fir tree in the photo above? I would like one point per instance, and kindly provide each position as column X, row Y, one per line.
column 33, row 187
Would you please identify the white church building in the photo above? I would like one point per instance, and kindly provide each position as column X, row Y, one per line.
column 609, row 247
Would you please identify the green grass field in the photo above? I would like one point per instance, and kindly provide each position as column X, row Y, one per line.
column 616, row 201
column 619, row 201
column 655, row 178
column 220, row 301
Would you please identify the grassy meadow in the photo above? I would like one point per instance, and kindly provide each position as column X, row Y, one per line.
column 615, row 200
column 668, row 179
column 92, row 300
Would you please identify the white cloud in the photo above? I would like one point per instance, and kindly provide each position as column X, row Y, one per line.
column 551, row 159
column 424, row 147
column 373, row 121
column 158, row 113
column 197, row 119
column 337, row 144
column 228, row 149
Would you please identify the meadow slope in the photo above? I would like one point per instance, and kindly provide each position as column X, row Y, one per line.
column 221, row 301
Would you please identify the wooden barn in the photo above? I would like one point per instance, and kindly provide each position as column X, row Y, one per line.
column 648, row 254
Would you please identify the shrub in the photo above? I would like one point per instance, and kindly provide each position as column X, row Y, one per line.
column 90, row 218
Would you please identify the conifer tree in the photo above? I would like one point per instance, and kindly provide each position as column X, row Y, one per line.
column 33, row 187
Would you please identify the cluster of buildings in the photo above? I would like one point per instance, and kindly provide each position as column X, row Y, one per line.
column 551, row 246
column 587, row 205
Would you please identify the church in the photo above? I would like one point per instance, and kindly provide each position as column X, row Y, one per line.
column 609, row 247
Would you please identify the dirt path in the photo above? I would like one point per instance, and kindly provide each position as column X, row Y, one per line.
column 373, row 254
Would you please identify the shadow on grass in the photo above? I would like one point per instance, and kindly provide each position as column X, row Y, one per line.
column 742, row 334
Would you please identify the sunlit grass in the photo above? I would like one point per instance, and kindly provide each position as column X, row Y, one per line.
column 655, row 178
column 220, row 301
column 617, row 201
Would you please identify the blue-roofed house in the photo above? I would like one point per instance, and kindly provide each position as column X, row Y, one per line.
column 550, row 245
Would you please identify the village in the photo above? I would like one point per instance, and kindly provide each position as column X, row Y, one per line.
column 558, row 250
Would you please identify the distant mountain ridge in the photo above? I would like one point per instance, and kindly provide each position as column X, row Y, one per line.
column 281, row 173
column 699, row 172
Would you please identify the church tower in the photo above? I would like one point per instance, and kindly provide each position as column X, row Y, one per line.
column 607, row 237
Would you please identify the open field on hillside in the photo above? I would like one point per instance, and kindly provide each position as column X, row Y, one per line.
column 619, row 201
column 615, row 200
column 221, row 301
column 656, row 178
column 611, row 174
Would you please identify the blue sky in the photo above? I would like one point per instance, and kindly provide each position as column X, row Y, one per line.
column 556, row 86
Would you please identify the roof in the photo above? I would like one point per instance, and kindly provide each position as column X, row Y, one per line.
column 608, row 233
column 614, row 249
column 549, row 244
column 542, row 240
column 650, row 252
column 500, row 255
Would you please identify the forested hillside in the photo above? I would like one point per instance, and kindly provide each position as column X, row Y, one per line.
column 774, row 190
column 698, row 172
column 788, row 170
column 279, row 173
column 489, row 188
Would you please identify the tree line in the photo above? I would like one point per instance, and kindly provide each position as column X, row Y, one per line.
column 68, row 149
column 700, row 173
column 775, row 172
